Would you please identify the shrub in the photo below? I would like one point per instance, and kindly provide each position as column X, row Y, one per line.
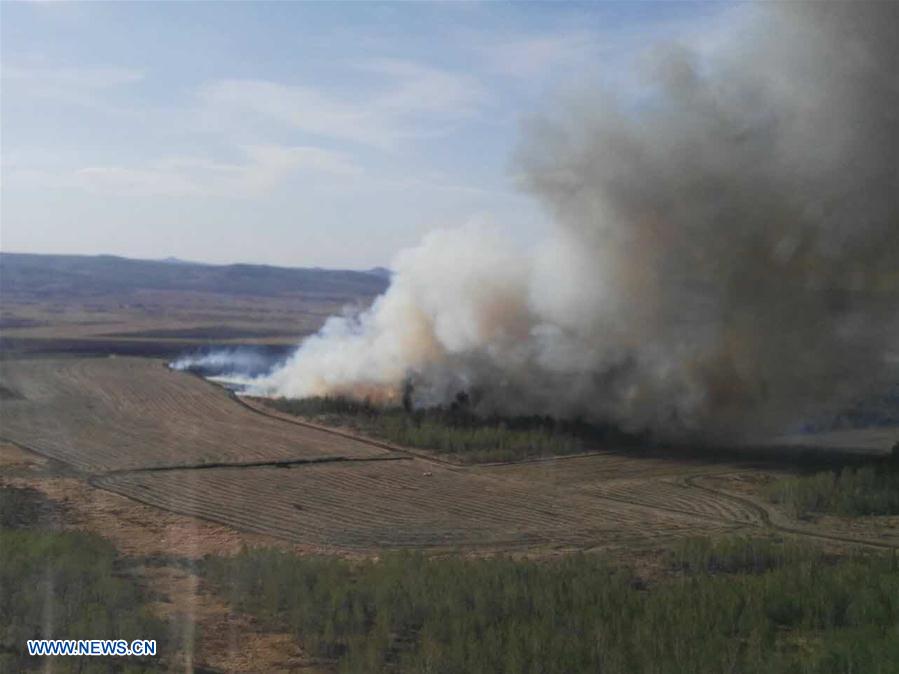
column 409, row 613
column 869, row 490
column 69, row 586
column 736, row 555
column 26, row 508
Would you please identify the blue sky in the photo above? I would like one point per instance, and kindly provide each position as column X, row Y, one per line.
column 300, row 134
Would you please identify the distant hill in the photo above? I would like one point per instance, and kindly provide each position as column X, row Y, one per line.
column 44, row 276
column 177, row 260
column 380, row 271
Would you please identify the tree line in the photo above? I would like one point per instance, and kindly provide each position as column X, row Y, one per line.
column 457, row 430
column 868, row 490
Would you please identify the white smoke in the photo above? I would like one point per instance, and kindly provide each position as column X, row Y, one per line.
column 447, row 298
column 724, row 259
column 237, row 361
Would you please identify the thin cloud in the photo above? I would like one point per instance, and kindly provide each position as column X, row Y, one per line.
column 536, row 56
column 419, row 88
column 239, row 102
column 265, row 168
column 409, row 100
column 68, row 77
column 79, row 86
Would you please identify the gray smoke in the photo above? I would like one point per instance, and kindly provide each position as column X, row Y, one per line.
column 724, row 260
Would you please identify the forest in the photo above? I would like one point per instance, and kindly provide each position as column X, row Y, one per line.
column 456, row 430
column 866, row 490
column 66, row 585
column 732, row 605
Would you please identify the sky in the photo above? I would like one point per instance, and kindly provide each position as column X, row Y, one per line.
column 298, row 134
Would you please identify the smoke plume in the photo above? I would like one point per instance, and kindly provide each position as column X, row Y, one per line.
column 725, row 252
column 246, row 362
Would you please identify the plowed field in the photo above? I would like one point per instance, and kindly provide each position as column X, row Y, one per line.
column 176, row 442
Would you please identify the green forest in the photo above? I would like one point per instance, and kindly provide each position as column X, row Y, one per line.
column 65, row 585
column 738, row 605
column 747, row 605
column 866, row 490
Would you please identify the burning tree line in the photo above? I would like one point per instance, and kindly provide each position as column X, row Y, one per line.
column 457, row 429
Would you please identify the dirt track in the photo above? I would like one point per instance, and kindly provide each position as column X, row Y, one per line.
column 134, row 428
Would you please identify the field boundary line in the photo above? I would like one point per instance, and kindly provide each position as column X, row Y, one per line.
column 276, row 463
column 380, row 444
column 77, row 470
column 767, row 522
column 88, row 475
column 425, row 456
column 258, row 409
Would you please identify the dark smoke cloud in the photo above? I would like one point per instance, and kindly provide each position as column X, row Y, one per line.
column 725, row 255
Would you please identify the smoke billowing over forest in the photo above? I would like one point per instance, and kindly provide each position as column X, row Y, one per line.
column 723, row 258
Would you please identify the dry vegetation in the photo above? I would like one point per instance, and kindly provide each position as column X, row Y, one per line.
column 378, row 505
column 154, row 461
column 117, row 418
column 121, row 413
column 174, row 441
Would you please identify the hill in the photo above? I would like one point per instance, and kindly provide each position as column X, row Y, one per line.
column 27, row 276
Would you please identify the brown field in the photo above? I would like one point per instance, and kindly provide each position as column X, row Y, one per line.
column 158, row 324
column 171, row 440
column 139, row 312
column 102, row 414
column 387, row 505
column 182, row 316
